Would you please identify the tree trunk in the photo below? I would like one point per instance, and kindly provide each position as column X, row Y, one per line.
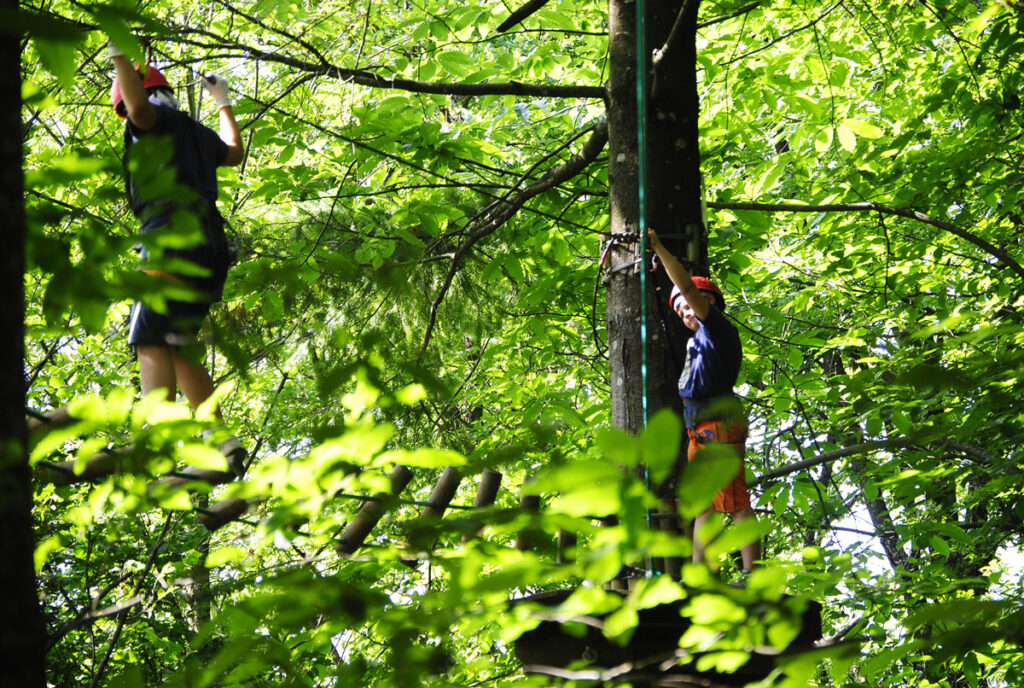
column 22, row 630
column 623, row 306
column 673, row 199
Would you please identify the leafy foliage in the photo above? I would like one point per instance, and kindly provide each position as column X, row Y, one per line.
column 380, row 314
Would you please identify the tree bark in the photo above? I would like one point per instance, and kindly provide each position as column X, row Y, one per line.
column 22, row 634
column 623, row 303
column 674, row 196
column 673, row 199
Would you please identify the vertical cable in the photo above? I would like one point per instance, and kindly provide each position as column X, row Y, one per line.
column 641, row 149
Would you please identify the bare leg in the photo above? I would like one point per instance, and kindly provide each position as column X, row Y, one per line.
column 195, row 381
column 751, row 552
column 698, row 546
column 197, row 385
column 157, row 369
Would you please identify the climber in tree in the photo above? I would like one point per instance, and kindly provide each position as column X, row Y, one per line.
column 166, row 340
column 712, row 412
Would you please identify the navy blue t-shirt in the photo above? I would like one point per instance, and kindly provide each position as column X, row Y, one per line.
column 192, row 159
column 197, row 151
column 713, row 357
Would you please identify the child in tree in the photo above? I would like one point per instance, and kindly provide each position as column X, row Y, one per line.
column 712, row 412
column 166, row 341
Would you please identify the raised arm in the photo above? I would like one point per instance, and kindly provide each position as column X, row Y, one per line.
column 140, row 111
column 229, row 133
column 680, row 276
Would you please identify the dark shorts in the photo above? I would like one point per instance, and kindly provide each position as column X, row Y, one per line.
column 734, row 433
column 179, row 326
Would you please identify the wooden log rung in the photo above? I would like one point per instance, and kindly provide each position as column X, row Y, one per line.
column 487, row 491
column 100, row 466
column 51, row 420
column 528, row 537
column 222, row 513
column 370, row 513
column 443, row 494
column 188, row 476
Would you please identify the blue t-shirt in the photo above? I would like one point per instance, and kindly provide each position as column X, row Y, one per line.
column 713, row 357
column 196, row 152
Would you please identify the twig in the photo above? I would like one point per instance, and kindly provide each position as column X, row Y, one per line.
column 499, row 212
column 871, row 206
column 852, row 450
column 101, row 669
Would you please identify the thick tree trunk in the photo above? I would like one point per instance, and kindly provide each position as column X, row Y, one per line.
column 674, row 194
column 22, row 631
column 623, row 306
column 673, row 199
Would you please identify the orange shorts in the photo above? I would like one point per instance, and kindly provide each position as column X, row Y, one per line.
column 735, row 495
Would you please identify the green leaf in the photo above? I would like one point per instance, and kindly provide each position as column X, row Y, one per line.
column 421, row 458
column 620, row 625
column 228, row 554
column 847, row 139
column 585, row 487
column 704, row 477
column 736, row 537
column 201, row 456
column 113, row 23
column 59, row 57
column 756, row 219
column 862, row 128
column 273, row 306
column 619, row 447
column 660, row 442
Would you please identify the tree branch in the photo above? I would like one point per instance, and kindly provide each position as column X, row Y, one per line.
column 101, row 669
column 869, row 206
column 852, row 450
column 499, row 212
column 782, row 37
column 740, row 12
column 365, row 77
column 521, row 14
column 673, row 35
column 975, row 454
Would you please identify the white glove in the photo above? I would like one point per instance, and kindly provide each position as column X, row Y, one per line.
column 113, row 51
column 218, row 88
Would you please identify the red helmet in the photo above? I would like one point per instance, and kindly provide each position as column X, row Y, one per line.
column 705, row 285
column 153, row 79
